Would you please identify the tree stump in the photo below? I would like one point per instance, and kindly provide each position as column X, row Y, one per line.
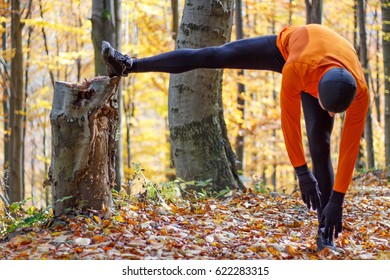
column 84, row 122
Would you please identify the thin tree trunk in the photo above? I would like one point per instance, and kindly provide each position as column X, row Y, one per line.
column 78, row 60
column 44, row 151
column 170, row 174
column 16, row 106
column 106, row 26
column 240, row 138
column 376, row 81
column 5, row 103
column 33, row 161
column 201, row 149
column 128, row 103
column 368, row 131
column 274, row 97
column 30, row 30
column 360, row 161
column 103, row 29
column 52, row 79
column 290, row 12
column 314, row 11
column 175, row 18
column 118, row 43
column 386, row 64
column 84, row 124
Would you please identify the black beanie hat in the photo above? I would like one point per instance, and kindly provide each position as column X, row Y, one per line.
column 336, row 90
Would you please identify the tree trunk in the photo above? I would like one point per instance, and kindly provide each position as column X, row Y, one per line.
column 314, row 11
column 240, row 138
column 84, row 122
column 175, row 18
column 45, row 43
column 170, row 174
column 118, row 43
column 103, row 29
column 377, row 80
column 368, row 131
column 360, row 160
column 5, row 102
column 106, row 25
column 201, row 149
column 386, row 63
column 290, row 12
column 26, row 77
column 16, row 107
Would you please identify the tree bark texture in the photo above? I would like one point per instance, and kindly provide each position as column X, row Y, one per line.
column 360, row 161
column 5, row 102
column 386, row 64
column 16, row 107
column 200, row 147
column 240, row 137
column 175, row 18
column 368, row 130
column 118, row 44
column 314, row 11
column 84, row 121
column 103, row 28
column 106, row 25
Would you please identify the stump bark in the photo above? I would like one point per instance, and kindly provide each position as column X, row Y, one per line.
column 84, row 122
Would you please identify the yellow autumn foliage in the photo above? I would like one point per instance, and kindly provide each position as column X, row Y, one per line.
column 67, row 55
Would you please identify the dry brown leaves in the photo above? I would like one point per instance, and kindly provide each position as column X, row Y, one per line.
column 244, row 226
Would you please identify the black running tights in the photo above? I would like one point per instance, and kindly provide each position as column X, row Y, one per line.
column 258, row 53
column 319, row 126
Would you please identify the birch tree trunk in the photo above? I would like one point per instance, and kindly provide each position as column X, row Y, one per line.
column 200, row 147
column 84, row 122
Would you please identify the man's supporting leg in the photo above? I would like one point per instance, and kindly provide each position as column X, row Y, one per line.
column 319, row 126
column 259, row 53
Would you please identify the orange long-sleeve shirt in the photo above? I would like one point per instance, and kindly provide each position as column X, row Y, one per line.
column 310, row 51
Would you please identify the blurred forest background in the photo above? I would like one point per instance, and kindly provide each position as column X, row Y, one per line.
column 56, row 44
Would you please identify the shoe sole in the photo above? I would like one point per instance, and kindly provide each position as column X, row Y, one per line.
column 109, row 60
column 321, row 246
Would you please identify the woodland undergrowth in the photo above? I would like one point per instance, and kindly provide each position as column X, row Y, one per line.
column 159, row 224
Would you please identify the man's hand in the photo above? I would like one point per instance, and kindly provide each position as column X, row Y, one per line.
column 309, row 187
column 332, row 215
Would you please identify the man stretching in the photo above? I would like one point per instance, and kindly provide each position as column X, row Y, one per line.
column 320, row 70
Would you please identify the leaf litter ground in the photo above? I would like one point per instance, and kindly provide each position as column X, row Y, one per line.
column 245, row 225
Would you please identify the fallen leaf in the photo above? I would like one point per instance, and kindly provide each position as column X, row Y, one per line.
column 79, row 250
column 290, row 250
column 97, row 219
column 209, row 238
column 82, row 241
column 99, row 238
column 137, row 242
column 119, row 219
column 156, row 242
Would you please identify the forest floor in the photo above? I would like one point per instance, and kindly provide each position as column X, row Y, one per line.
column 243, row 225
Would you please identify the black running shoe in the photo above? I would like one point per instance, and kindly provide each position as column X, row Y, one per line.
column 323, row 242
column 116, row 62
